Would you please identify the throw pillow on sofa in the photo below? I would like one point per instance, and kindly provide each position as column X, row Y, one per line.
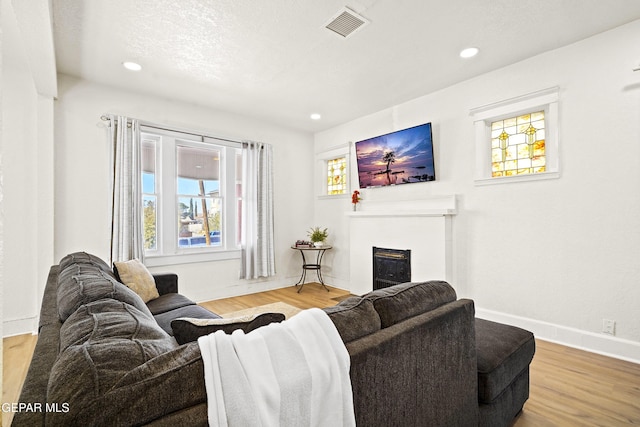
column 186, row 329
column 135, row 275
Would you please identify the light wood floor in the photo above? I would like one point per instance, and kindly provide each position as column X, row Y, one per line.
column 569, row 387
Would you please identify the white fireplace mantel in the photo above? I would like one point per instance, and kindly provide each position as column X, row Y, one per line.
column 397, row 213
column 435, row 206
column 423, row 226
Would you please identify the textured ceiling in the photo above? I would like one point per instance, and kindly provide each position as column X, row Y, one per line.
column 275, row 60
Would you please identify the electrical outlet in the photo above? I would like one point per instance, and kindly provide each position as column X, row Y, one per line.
column 608, row 327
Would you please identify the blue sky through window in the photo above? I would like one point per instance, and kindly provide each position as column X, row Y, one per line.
column 192, row 186
column 148, row 183
column 185, row 185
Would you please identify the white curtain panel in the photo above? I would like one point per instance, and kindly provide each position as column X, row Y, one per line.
column 126, row 228
column 258, row 258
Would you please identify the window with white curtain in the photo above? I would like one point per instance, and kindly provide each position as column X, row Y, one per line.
column 191, row 197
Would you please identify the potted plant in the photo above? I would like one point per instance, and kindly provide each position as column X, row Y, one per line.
column 318, row 235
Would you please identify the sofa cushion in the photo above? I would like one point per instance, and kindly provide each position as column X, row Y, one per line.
column 135, row 275
column 186, row 329
column 354, row 318
column 86, row 259
column 503, row 352
column 80, row 284
column 164, row 319
column 107, row 319
column 168, row 302
column 397, row 303
column 164, row 391
column 100, row 343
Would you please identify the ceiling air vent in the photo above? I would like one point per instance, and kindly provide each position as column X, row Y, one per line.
column 346, row 22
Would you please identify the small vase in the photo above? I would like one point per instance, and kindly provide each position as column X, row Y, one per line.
column 354, row 207
column 318, row 244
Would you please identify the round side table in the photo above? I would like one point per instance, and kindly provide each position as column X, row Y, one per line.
column 317, row 265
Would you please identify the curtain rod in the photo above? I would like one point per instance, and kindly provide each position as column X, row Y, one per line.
column 106, row 117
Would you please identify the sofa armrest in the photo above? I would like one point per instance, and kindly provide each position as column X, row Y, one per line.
column 166, row 283
column 423, row 368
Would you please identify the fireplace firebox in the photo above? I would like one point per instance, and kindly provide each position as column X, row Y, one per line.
column 390, row 267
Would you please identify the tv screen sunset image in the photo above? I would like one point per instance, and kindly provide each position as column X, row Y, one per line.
column 400, row 157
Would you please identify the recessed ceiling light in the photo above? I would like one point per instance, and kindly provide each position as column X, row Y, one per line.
column 133, row 66
column 469, row 52
column 315, row 116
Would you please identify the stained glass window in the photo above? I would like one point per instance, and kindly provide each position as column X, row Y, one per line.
column 518, row 145
column 337, row 176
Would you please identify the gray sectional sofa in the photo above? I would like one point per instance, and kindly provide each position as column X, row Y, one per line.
column 418, row 356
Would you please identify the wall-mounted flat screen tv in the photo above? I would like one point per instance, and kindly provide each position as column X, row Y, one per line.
column 401, row 157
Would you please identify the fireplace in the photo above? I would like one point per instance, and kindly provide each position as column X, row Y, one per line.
column 390, row 267
column 423, row 225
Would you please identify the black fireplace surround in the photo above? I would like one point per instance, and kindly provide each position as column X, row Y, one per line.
column 390, row 267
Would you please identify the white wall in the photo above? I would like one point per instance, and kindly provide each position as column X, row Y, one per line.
column 555, row 256
column 82, row 189
column 2, row 44
column 26, row 165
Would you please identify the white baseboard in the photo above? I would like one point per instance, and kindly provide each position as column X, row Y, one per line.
column 336, row 282
column 19, row 327
column 584, row 340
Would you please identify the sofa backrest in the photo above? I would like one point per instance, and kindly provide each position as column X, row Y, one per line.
column 397, row 303
column 356, row 317
column 84, row 258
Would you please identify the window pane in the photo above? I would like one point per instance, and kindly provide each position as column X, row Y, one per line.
column 149, row 196
column 198, row 170
column 518, row 145
column 148, row 166
column 150, row 221
column 199, row 198
column 337, row 176
column 238, row 197
column 200, row 222
column 148, row 182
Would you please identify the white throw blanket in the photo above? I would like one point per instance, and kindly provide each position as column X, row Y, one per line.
column 294, row 373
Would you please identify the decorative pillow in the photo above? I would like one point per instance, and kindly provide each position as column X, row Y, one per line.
column 187, row 329
column 136, row 276
column 354, row 318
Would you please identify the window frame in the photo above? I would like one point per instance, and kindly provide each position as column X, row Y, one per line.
column 156, row 190
column 322, row 160
column 544, row 100
column 167, row 250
